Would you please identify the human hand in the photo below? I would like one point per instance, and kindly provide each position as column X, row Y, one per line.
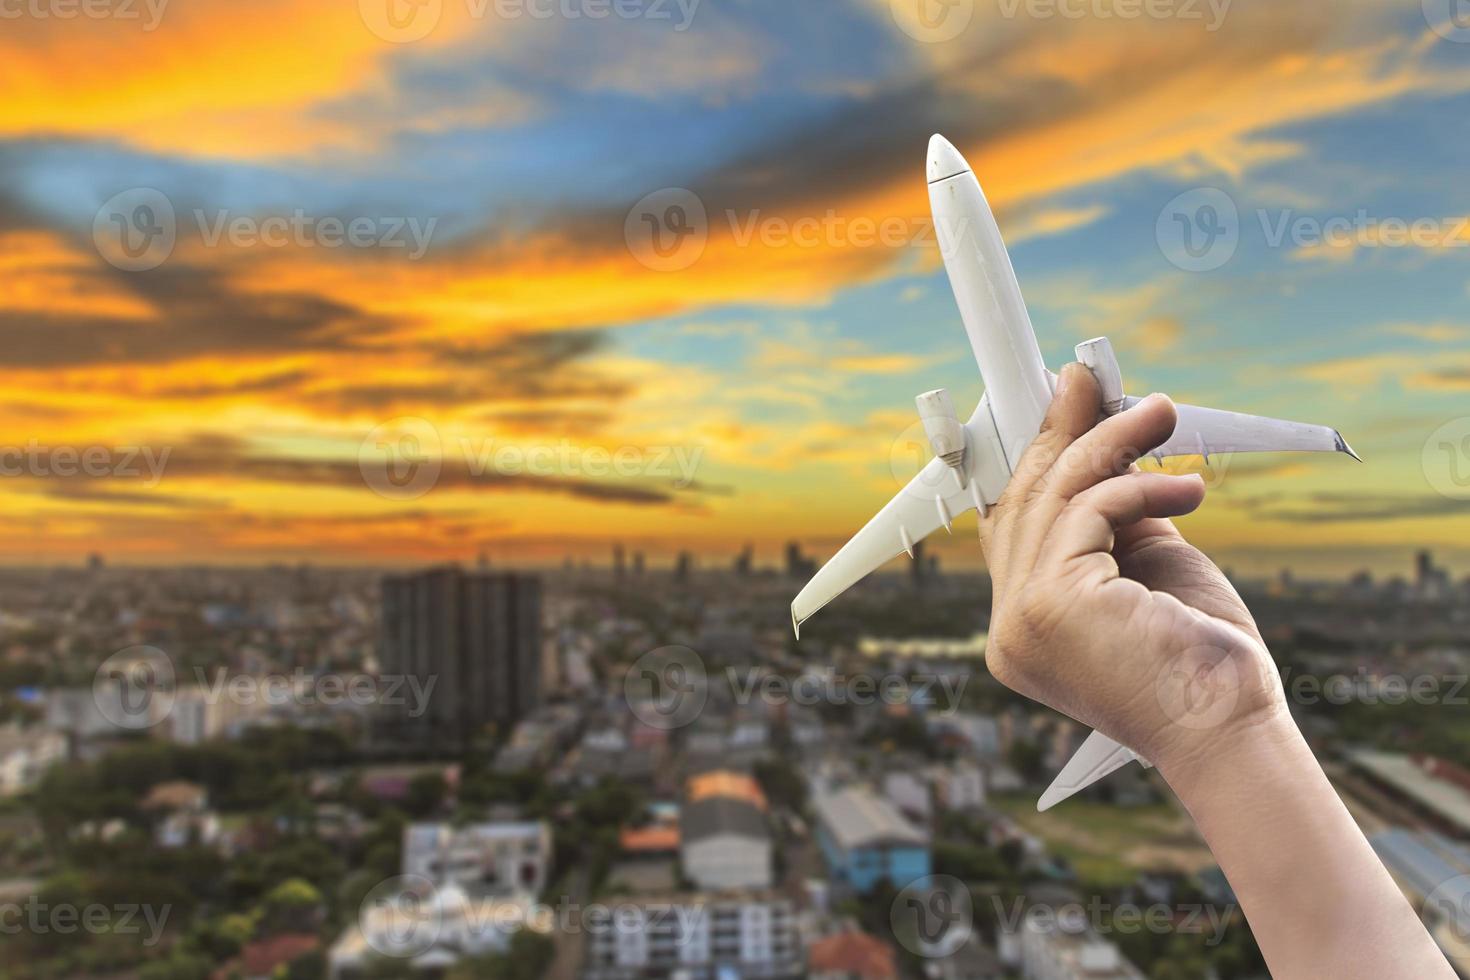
column 1101, row 609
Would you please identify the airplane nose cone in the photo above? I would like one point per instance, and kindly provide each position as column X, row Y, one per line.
column 944, row 159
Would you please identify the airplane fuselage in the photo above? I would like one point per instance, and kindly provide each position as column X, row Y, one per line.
column 989, row 299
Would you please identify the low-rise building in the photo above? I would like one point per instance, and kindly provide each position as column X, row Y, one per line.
column 26, row 753
column 482, row 858
column 429, row 931
column 866, row 841
column 725, row 843
column 750, row 935
column 1062, row 947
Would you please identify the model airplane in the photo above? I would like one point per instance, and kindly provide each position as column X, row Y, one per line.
column 973, row 461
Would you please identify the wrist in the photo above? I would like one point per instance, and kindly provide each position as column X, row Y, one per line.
column 1231, row 755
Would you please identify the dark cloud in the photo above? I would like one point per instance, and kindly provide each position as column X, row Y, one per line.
column 1335, row 508
column 199, row 313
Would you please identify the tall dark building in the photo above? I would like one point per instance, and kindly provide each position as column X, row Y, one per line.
column 478, row 635
column 619, row 564
column 798, row 566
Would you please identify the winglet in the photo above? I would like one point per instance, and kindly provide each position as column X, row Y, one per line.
column 1343, row 447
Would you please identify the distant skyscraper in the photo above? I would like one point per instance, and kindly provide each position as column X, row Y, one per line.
column 637, row 563
column 798, row 566
column 477, row 635
column 919, row 566
column 745, row 561
column 683, row 566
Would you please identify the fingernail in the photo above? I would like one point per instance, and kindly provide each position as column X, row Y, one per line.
column 1064, row 378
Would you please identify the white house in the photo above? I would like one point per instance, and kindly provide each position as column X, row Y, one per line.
column 483, row 858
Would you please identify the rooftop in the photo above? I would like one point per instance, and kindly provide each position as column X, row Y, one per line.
column 1423, row 779
column 854, row 954
column 856, row 817
column 717, row 816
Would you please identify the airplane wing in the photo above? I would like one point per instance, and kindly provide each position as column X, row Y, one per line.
column 1205, row 431
column 1098, row 756
column 931, row 500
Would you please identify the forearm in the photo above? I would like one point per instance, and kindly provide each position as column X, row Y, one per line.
column 1319, row 901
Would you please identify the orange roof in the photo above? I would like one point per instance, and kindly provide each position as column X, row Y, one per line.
column 855, row 954
column 658, row 837
column 722, row 782
column 175, row 795
column 260, row 959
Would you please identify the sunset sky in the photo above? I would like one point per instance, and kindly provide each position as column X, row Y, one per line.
column 502, row 314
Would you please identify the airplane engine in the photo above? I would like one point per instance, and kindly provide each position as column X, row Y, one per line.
column 1097, row 354
column 942, row 427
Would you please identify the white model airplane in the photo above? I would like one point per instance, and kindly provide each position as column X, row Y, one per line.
column 973, row 461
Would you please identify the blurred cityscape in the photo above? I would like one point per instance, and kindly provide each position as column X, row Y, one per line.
column 627, row 771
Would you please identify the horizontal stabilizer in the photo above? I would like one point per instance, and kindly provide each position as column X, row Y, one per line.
column 1098, row 756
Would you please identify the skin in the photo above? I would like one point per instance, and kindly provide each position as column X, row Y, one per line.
column 1103, row 611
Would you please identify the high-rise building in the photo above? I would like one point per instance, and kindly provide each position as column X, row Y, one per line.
column 683, row 566
column 476, row 636
column 798, row 566
column 745, row 561
column 637, row 563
